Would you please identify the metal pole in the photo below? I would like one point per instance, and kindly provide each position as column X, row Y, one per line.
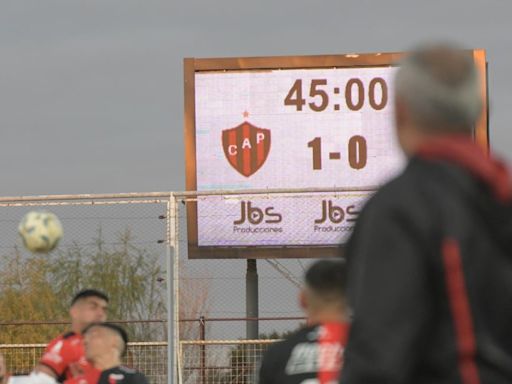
column 165, row 195
column 176, row 277
column 202, row 337
column 251, row 295
column 171, row 253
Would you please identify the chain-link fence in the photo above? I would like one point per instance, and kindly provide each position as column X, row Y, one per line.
column 255, row 224
column 148, row 357
column 201, row 362
column 220, row 362
column 114, row 243
column 133, row 245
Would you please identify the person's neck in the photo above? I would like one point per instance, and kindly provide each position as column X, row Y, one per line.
column 107, row 361
column 327, row 317
column 419, row 136
column 77, row 328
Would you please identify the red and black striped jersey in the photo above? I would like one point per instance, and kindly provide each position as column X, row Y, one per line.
column 115, row 375
column 313, row 355
column 65, row 356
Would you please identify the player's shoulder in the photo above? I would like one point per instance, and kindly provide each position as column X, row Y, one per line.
column 306, row 334
column 56, row 339
column 56, row 342
column 68, row 341
column 403, row 184
column 122, row 374
column 422, row 174
column 409, row 189
column 127, row 370
column 67, row 336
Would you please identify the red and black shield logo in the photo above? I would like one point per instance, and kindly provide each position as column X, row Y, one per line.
column 246, row 147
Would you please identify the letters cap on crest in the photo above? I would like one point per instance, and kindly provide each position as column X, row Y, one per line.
column 246, row 147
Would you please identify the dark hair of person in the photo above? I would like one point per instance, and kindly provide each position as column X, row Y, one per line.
column 85, row 293
column 326, row 276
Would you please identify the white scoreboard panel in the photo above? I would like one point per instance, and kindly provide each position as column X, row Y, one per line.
column 286, row 123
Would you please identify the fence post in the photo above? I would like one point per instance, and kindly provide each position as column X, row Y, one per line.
column 202, row 337
column 172, row 294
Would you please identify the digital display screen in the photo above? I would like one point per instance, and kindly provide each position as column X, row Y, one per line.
column 287, row 128
column 291, row 129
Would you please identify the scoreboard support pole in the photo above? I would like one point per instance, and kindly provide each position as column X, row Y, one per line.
column 251, row 300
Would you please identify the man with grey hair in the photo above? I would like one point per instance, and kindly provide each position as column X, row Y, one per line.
column 429, row 276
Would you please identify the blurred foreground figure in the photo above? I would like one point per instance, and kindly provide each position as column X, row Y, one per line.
column 313, row 354
column 430, row 260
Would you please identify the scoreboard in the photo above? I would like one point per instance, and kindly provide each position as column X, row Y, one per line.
column 288, row 123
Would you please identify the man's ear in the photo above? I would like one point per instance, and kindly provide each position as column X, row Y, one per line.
column 303, row 299
column 73, row 311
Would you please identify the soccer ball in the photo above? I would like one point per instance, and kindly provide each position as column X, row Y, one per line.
column 40, row 231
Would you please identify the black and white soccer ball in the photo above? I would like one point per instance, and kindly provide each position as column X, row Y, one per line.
column 41, row 231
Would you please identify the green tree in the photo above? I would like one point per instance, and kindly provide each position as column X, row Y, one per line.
column 131, row 276
column 40, row 288
column 26, row 294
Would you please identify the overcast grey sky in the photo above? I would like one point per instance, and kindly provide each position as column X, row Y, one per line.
column 91, row 90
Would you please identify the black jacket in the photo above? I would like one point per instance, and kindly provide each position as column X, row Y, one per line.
column 430, row 273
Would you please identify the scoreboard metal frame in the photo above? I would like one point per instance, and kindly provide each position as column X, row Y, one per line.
column 195, row 65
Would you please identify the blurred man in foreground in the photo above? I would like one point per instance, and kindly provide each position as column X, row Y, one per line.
column 105, row 344
column 314, row 354
column 430, row 260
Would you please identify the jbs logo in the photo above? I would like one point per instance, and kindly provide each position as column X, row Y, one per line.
column 336, row 214
column 254, row 215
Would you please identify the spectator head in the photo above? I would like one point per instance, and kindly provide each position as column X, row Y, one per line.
column 322, row 297
column 437, row 93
